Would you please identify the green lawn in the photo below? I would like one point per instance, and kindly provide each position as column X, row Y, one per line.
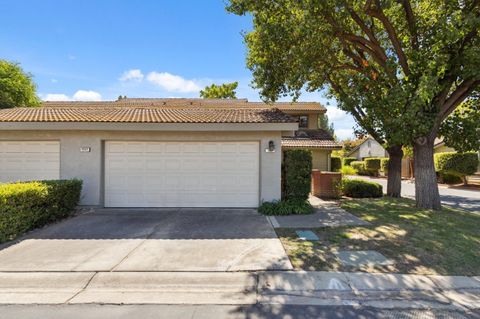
column 418, row 241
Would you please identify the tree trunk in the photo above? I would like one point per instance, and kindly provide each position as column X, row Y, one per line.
column 394, row 181
column 426, row 187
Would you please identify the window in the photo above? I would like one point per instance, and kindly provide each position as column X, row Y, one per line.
column 303, row 121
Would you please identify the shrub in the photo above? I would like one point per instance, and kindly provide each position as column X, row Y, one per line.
column 448, row 178
column 348, row 170
column 372, row 165
column 24, row 206
column 297, row 174
column 384, row 164
column 359, row 188
column 458, row 164
column 359, row 166
column 335, row 163
column 347, row 160
column 286, row 207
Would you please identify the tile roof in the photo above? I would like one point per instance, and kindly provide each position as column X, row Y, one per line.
column 189, row 102
column 87, row 112
column 311, row 139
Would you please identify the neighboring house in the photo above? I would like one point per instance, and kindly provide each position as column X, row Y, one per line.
column 152, row 152
column 368, row 148
column 309, row 136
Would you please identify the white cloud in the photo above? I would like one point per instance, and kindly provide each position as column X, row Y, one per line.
column 56, row 97
column 132, row 75
column 82, row 95
column 335, row 114
column 172, row 83
column 344, row 133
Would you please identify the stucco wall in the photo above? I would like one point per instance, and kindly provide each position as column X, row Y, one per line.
column 320, row 159
column 88, row 166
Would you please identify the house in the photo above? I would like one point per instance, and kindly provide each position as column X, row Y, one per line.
column 151, row 152
column 368, row 148
column 440, row 147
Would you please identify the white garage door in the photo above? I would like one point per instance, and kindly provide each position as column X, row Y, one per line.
column 181, row 174
column 29, row 160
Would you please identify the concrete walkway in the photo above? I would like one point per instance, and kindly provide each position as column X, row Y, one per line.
column 387, row 291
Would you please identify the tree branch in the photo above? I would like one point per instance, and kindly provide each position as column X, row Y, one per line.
column 458, row 96
column 392, row 34
column 407, row 7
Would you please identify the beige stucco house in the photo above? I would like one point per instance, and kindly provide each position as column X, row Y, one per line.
column 151, row 152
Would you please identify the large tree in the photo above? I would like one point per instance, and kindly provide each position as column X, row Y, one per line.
column 16, row 87
column 400, row 67
column 222, row 91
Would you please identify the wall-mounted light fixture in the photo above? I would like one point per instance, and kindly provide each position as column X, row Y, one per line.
column 85, row 149
column 271, row 147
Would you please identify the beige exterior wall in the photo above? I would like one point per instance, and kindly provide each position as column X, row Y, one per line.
column 312, row 117
column 89, row 166
column 371, row 148
column 320, row 160
column 443, row 149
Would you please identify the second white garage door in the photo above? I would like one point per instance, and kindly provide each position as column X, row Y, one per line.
column 181, row 174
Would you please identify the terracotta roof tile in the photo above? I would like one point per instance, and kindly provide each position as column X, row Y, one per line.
column 309, row 138
column 82, row 113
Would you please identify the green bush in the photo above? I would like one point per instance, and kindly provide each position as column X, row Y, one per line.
column 359, row 188
column 348, row 170
column 297, row 174
column 447, row 178
column 372, row 165
column 286, row 207
column 335, row 163
column 384, row 164
column 359, row 166
column 458, row 164
column 347, row 160
column 24, row 206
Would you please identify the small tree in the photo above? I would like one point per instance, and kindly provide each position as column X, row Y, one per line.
column 16, row 87
column 325, row 124
column 223, row 91
column 461, row 130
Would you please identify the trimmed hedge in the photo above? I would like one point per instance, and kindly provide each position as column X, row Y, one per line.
column 335, row 163
column 359, row 166
column 459, row 164
column 347, row 160
column 359, row 188
column 297, row 174
column 372, row 165
column 384, row 164
column 449, row 178
column 286, row 207
column 28, row 205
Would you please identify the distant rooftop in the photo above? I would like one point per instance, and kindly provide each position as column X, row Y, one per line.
column 188, row 103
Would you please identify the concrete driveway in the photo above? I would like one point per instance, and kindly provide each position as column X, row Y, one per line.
column 151, row 240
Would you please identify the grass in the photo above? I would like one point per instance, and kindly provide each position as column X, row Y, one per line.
column 443, row 242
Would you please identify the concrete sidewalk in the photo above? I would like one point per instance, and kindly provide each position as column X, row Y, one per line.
column 387, row 291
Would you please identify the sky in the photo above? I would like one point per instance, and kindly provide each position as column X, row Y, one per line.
column 98, row 50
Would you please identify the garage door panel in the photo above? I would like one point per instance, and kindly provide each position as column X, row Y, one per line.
column 29, row 160
column 182, row 174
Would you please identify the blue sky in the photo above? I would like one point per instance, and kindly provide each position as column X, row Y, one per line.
column 84, row 50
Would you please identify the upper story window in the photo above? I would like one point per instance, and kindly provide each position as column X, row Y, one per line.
column 303, row 121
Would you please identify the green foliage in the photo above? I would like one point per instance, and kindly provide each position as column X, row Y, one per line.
column 16, row 87
column 325, row 124
column 347, row 160
column 459, row 164
column 394, row 65
column 461, row 130
column 447, row 178
column 359, row 188
column 384, row 164
column 359, row 166
column 297, row 174
column 286, row 207
column 335, row 163
column 223, row 91
column 372, row 165
column 348, row 170
column 25, row 206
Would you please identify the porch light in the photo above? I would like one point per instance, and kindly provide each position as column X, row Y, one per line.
column 271, row 147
